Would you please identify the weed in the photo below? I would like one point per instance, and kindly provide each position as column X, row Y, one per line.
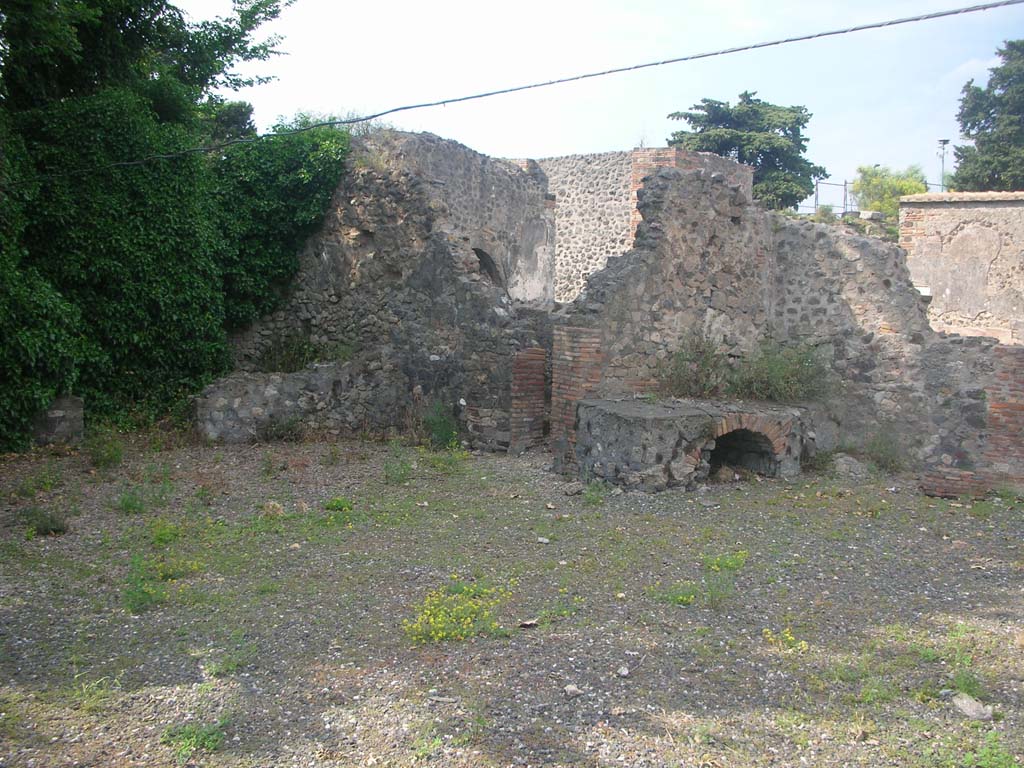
column 338, row 504
column 240, row 653
column 697, row 369
column 440, row 426
column 784, row 641
column 46, row 479
column 104, row 448
column 876, row 690
column 142, row 589
column 456, row 611
column 397, row 468
column 819, row 463
column 781, row 373
column 131, row 502
column 718, row 587
column 42, row 522
column 188, row 738
column 885, row 451
column 681, row 593
column 163, row 532
column 449, row 461
column 594, row 493
column 965, row 681
column 728, row 562
column 268, row 466
column 992, row 754
column 94, row 696
column 331, row 457
column 293, row 352
column 282, row 430
column 268, row 587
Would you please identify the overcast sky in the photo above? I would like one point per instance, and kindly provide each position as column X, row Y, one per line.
column 884, row 96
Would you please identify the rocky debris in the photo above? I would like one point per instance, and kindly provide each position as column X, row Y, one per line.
column 971, row 707
column 846, row 466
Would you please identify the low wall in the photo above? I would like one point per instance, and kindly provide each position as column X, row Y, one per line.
column 967, row 248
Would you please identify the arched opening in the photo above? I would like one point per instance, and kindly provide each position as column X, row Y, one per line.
column 744, row 449
column 488, row 268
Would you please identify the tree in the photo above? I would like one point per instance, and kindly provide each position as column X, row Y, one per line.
column 878, row 188
column 993, row 118
column 765, row 136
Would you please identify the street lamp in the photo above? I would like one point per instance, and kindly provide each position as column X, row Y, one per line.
column 942, row 172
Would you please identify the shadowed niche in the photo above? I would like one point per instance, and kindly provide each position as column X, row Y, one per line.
column 746, row 449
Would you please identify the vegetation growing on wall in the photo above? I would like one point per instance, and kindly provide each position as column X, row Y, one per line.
column 773, row 372
column 119, row 280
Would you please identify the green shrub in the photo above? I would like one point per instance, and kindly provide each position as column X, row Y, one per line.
column 779, row 373
column 104, row 448
column 885, row 451
column 397, row 467
column 282, row 430
column 594, row 493
column 142, row 588
column 683, row 593
column 455, row 612
column 42, row 522
column 188, row 738
column 697, row 369
column 441, row 426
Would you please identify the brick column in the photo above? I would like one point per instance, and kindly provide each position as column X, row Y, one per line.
column 526, row 422
column 1004, row 451
column 577, row 363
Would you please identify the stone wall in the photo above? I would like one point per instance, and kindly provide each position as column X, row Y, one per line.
column 422, row 265
column 595, row 198
column 593, row 207
column 706, row 259
column 968, row 250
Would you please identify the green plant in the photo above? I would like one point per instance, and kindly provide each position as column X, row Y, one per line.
column 885, row 451
column 820, row 462
column 338, row 504
column 42, row 522
column 188, row 738
column 397, row 468
column 94, row 695
column 965, row 681
column 142, row 589
column 784, row 641
column 286, row 430
column 456, row 611
column 824, row 215
column 718, row 588
column 103, row 447
column 440, row 426
column 46, row 479
column 727, row 561
column 238, row 654
column 131, row 502
column 594, row 493
column 332, row 456
column 681, row 593
column 780, row 373
column 697, row 369
column 991, row 754
column 448, row 461
column 163, row 532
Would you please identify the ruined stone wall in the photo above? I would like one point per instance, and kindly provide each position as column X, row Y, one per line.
column 595, row 199
column 393, row 273
column 707, row 259
column 593, row 207
column 968, row 249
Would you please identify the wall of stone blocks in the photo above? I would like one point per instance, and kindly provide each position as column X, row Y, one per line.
column 968, row 249
column 593, row 207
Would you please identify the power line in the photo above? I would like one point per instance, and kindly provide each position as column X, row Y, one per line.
column 531, row 86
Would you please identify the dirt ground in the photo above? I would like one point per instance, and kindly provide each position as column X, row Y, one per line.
column 297, row 604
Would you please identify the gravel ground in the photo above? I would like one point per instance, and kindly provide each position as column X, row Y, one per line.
column 208, row 606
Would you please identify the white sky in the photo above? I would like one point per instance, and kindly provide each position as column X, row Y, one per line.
column 883, row 96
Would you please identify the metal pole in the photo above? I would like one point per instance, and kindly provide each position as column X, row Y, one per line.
column 844, row 198
column 817, row 183
column 942, row 156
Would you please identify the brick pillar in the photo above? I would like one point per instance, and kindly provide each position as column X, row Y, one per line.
column 576, row 364
column 1004, row 451
column 526, row 422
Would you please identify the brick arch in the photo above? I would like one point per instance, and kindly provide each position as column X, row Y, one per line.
column 775, row 430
